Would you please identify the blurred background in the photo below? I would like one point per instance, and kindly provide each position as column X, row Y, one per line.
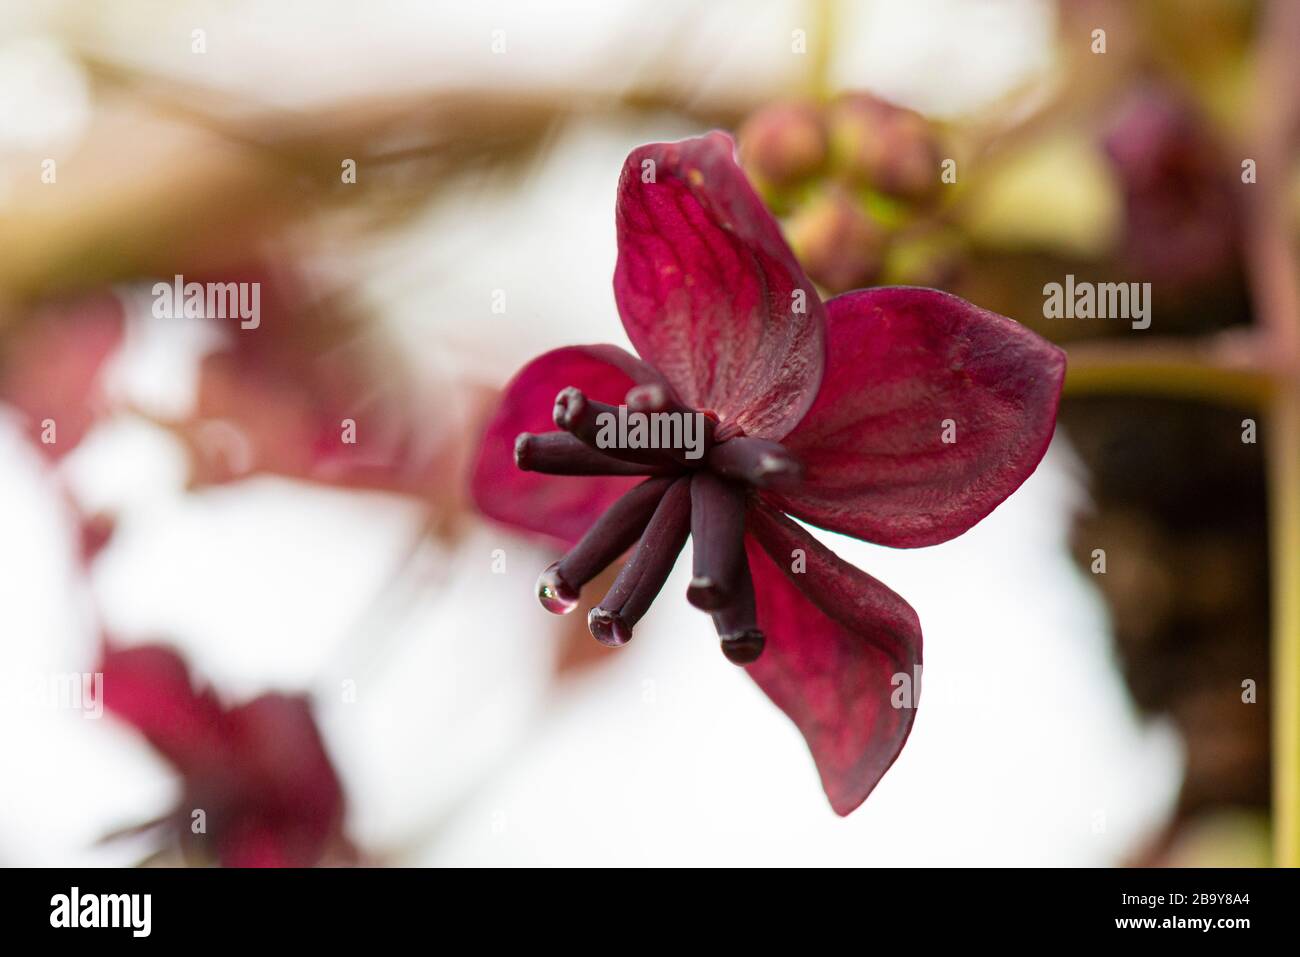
column 425, row 191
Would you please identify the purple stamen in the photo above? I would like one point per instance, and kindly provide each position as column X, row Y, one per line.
column 559, row 453
column 744, row 647
column 559, row 586
column 757, row 462
column 641, row 578
column 651, row 398
column 737, row 623
column 579, row 415
column 608, row 627
column 706, row 499
column 718, row 540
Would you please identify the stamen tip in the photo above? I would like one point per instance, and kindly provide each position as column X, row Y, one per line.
column 555, row 594
column 706, row 594
column 608, row 627
column 744, row 647
column 522, row 441
column 568, row 406
column 649, row 397
column 776, row 471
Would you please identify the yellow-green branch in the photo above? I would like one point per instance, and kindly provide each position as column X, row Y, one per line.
column 1284, row 466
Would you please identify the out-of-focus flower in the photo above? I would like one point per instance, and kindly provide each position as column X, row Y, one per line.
column 258, row 788
column 316, row 393
column 852, row 177
column 95, row 532
column 897, row 415
column 1180, row 218
column 50, row 365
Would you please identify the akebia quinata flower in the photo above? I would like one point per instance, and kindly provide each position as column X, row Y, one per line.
column 257, row 787
column 900, row 416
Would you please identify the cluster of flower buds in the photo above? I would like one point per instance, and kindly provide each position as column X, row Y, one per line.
column 856, row 182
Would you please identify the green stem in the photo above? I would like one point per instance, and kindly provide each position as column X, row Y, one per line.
column 821, row 48
column 1185, row 370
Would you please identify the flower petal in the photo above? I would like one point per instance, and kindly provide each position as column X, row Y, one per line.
column 836, row 639
column 903, row 362
column 288, row 783
column 309, row 394
column 709, row 292
column 559, row 506
column 149, row 686
column 52, row 367
column 252, row 843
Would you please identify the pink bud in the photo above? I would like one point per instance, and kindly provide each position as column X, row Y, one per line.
column 839, row 245
column 783, row 142
column 886, row 147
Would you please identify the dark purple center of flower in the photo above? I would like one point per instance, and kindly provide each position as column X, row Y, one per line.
column 701, row 492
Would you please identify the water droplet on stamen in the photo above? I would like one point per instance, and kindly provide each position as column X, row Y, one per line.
column 608, row 627
column 554, row 592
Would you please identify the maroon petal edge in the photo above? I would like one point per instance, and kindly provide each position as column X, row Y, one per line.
column 904, row 363
column 710, row 293
column 560, row 507
column 837, row 642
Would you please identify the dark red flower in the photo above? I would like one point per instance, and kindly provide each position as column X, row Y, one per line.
column 841, row 414
column 279, row 398
column 258, row 772
column 1181, row 222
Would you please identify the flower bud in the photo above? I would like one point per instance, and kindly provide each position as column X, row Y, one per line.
column 1180, row 220
column 891, row 149
column 783, row 143
column 838, row 243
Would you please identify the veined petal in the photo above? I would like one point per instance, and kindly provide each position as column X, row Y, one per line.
column 561, row 507
column 836, row 641
column 710, row 293
column 932, row 411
